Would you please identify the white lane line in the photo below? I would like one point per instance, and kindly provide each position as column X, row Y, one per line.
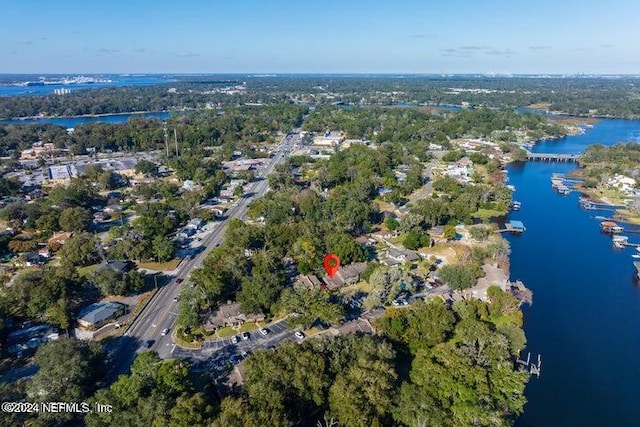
column 173, row 348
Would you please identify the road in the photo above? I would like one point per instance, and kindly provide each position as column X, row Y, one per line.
column 161, row 311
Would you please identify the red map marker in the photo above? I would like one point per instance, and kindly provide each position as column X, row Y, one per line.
column 331, row 264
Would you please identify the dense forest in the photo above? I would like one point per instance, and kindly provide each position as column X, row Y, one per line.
column 584, row 96
column 429, row 365
column 230, row 128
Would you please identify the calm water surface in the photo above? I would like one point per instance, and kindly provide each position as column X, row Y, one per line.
column 70, row 122
column 585, row 319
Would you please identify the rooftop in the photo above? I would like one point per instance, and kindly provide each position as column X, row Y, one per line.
column 99, row 312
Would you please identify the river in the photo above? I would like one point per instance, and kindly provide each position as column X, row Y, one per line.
column 585, row 316
column 70, row 122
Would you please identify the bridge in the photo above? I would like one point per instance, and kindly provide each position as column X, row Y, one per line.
column 552, row 157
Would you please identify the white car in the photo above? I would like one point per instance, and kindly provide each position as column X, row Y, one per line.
column 299, row 335
column 264, row 331
column 234, row 339
column 164, row 332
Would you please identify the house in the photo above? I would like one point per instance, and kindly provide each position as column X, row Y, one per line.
column 622, row 183
column 329, row 139
column 33, row 259
column 101, row 216
column 59, row 239
column 118, row 266
column 309, row 281
column 346, row 275
column 61, row 174
column 403, row 255
column 195, row 224
column 114, row 208
column 163, row 171
column 96, row 315
column 230, row 315
column 30, row 338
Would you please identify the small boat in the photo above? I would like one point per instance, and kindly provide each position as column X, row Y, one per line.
column 619, row 241
column 515, row 205
column 635, row 256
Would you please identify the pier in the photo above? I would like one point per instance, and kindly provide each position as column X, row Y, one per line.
column 552, row 157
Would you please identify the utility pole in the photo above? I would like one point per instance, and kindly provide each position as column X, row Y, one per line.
column 175, row 138
column 166, row 137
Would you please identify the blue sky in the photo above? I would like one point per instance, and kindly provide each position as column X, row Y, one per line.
column 320, row 36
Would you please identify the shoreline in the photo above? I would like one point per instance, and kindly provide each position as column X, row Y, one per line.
column 84, row 116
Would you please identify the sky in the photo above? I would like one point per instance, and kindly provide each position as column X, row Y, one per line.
column 320, row 36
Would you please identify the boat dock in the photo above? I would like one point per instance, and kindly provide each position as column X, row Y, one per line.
column 514, row 226
column 527, row 365
column 551, row 157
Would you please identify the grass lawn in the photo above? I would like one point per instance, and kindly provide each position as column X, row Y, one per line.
column 184, row 344
column 355, row 288
column 631, row 217
column 225, row 332
column 247, row 327
column 486, row 214
column 161, row 266
column 85, row 271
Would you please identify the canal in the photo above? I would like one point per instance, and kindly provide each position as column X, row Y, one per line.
column 585, row 315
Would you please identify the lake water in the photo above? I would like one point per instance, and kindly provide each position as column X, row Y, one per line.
column 586, row 308
column 70, row 122
column 9, row 84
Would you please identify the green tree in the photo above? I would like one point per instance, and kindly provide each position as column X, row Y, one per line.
column 80, row 249
column 162, row 248
column 75, row 219
column 460, row 276
column 261, row 289
column 69, row 371
column 145, row 167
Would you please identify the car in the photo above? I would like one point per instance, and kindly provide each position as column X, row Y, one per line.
column 235, row 339
column 148, row 343
column 245, row 354
column 117, row 326
column 179, row 280
column 395, row 303
column 175, row 299
column 246, row 336
column 299, row 335
column 264, row 331
column 164, row 332
column 235, row 359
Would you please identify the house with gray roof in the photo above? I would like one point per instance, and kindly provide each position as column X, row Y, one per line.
column 98, row 314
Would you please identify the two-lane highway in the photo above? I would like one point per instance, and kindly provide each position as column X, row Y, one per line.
column 161, row 312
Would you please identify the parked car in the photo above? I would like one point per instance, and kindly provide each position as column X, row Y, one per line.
column 264, row 331
column 179, row 280
column 246, row 336
column 299, row 335
column 234, row 339
column 148, row 343
column 164, row 332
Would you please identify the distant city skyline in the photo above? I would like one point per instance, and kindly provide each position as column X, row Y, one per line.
column 329, row 36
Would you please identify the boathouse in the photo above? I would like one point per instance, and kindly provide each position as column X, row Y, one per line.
column 514, row 226
column 610, row 227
